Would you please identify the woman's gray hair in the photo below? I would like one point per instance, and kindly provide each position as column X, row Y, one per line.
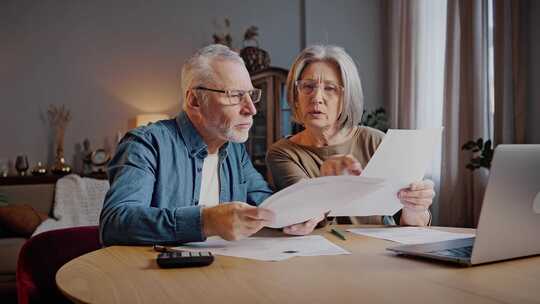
column 353, row 97
column 197, row 70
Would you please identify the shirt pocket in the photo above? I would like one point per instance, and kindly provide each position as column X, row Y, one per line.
column 240, row 192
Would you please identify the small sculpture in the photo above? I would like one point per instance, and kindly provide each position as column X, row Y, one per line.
column 59, row 117
column 87, row 161
column 225, row 37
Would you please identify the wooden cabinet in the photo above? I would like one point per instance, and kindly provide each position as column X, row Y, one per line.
column 273, row 119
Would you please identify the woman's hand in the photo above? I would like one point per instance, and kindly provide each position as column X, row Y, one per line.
column 303, row 228
column 341, row 165
column 416, row 200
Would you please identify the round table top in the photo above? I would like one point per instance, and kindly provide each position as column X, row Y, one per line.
column 130, row 274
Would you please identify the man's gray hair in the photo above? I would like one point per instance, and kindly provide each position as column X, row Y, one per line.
column 198, row 71
column 353, row 97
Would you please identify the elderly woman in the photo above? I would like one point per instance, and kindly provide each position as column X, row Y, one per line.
column 325, row 95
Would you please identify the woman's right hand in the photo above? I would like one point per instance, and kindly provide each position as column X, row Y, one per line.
column 341, row 165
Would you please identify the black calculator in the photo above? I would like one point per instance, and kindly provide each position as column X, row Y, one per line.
column 179, row 259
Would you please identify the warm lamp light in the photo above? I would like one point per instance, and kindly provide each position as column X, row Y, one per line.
column 145, row 119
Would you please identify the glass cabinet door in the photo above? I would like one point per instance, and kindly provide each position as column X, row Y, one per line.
column 257, row 143
column 273, row 118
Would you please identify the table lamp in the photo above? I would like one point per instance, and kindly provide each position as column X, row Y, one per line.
column 146, row 119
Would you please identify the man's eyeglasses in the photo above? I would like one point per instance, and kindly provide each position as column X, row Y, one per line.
column 236, row 97
column 308, row 87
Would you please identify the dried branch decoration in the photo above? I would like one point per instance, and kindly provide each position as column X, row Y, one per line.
column 59, row 117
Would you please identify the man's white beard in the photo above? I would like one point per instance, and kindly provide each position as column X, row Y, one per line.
column 236, row 137
column 230, row 134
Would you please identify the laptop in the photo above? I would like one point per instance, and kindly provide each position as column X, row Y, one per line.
column 509, row 225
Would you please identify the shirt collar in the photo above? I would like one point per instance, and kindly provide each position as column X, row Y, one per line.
column 194, row 142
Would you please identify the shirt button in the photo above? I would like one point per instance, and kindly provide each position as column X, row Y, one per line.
column 199, row 170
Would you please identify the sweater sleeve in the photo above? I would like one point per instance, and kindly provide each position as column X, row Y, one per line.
column 284, row 169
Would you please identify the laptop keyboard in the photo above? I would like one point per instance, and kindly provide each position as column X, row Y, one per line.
column 462, row 252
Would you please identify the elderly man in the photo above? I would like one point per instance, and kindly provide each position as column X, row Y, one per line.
column 185, row 179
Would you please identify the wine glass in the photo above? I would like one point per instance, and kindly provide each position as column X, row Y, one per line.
column 21, row 164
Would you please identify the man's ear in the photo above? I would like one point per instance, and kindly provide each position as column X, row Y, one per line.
column 192, row 100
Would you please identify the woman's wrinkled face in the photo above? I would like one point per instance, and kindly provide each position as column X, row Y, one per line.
column 320, row 95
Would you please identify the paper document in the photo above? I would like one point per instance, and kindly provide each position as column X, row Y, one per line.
column 402, row 158
column 313, row 197
column 410, row 235
column 268, row 248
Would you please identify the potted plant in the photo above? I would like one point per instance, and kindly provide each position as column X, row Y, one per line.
column 482, row 153
column 376, row 119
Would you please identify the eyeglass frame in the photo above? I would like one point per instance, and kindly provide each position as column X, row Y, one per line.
column 297, row 82
column 229, row 92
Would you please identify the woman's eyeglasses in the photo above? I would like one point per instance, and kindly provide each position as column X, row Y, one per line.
column 329, row 89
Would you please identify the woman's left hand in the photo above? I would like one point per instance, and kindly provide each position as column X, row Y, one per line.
column 416, row 200
column 305, row 227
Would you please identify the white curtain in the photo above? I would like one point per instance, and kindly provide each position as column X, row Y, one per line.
column 414, row 69
column 466, row 110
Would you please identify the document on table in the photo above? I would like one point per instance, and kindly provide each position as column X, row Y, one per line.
column 313, row 197
column 402, row 158
column 268, row 248
column 410, row 235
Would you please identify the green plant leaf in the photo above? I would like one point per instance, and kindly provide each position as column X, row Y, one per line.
column 480, row 142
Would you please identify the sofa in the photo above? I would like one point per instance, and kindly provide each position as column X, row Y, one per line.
column 73, row 201
column 38, row 196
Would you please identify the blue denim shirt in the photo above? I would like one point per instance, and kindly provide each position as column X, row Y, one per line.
column 155, row 178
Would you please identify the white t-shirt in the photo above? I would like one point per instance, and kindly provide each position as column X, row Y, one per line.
column 209, row 195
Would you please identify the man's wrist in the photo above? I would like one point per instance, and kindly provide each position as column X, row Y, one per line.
column 206, row 222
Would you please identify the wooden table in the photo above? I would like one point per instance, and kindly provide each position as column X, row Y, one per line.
column 129, row 274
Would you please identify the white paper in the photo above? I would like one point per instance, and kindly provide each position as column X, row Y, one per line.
column 410, row 235
column 268, row 248
column 313, row 197
column 402, row 158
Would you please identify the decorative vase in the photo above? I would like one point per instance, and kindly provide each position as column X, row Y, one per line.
column 255, row 58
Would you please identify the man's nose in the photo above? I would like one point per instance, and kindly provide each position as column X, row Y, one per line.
column 248, row 106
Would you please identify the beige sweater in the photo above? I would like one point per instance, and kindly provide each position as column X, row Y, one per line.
column 289, row 162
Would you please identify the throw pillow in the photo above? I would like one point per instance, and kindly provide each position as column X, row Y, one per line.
column 21, row 219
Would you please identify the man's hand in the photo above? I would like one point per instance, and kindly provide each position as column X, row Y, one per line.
column 341, row 165
column 416, row 201
column 303, row 228
column 235, row 220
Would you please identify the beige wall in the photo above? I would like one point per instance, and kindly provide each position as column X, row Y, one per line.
column 111, row 60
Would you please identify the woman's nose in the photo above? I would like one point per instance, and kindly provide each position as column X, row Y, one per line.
column 318, row 96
